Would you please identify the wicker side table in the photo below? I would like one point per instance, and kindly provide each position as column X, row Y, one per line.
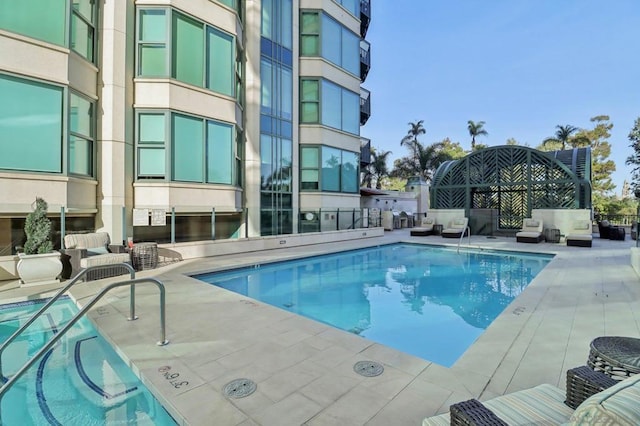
column 144, row 256
column 552, row 235
column 618, row 357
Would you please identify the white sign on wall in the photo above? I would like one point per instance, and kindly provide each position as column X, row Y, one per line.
column 140, row 217
column 158, row 217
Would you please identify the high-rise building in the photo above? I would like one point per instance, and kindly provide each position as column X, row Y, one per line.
column 216, row 118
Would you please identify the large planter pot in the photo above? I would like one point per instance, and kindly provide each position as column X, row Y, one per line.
column 39, row 269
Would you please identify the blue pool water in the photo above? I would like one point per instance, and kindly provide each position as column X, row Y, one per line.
column 80, row 381
column 427, row 301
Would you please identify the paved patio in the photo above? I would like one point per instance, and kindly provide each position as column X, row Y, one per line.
column 304, row 369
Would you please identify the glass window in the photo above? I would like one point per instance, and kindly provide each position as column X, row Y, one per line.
column 285, row 166
column 266, row 86
column 152, row 46
column 331, row 40
column 331, row 105
column 151, row 145
column 31, row 125
column 349, row 172
column 310, row 34
column 350, row 59
column 41, row 19
column 350, row 112
column 353, row 6
column 220, row 62
column 267, row 19
column 220, row 155
column 81, row 128
column 310, row 98
column 187, row 50
column 286, row 26
column 309, row 176
column 331, row 159
column 188, row 147
column 80, row 156
column 82, row 28
column 266, row 163
column 286, row 93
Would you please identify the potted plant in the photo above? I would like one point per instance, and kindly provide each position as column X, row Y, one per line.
column 38, row 264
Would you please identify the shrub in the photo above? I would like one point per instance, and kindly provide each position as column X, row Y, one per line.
column 37, row 228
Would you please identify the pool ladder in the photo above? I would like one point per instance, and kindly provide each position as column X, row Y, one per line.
column 132, row 316
column 468, row 231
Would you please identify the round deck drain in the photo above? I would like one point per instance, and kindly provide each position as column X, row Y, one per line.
column 368, row 368
column 239, row 388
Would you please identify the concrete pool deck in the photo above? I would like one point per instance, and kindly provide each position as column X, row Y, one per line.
column 304, row 369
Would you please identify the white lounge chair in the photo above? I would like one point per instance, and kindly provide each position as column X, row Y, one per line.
column 456, row 228
column 581, row 234
column 425, row 228
column 531, row 231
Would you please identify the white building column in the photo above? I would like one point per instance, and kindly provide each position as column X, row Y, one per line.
column 115, row 118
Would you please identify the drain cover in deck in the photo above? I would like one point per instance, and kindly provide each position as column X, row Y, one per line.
column 368, row 368
column 239, row 388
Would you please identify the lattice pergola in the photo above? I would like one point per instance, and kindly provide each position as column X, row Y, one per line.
column 514, row 180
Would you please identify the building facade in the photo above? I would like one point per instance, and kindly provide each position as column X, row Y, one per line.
column 208, row 119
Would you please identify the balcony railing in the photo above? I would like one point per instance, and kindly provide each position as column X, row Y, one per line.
column 365, row 152
column 365, row 16
column 365, row 106
column 365, row 59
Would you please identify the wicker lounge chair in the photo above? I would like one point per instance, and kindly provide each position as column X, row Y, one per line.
column 610, row 232
column 580, row 235
column 590, row 398
column 456, row 228
column 85, row 250
column 425, row 228
column 531, row 231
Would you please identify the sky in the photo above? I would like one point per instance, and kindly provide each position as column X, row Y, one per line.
column 521, row 66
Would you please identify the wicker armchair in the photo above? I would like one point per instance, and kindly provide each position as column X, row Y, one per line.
column 85, row 250
column 545, row 404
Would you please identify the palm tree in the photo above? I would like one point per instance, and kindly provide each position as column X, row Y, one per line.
column 411, row 139
column 378, row 166
column 563, row 137
column 425, row 161
column 475, row 129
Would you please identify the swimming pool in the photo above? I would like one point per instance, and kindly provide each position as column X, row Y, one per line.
column 428, row 301
column 80, row 381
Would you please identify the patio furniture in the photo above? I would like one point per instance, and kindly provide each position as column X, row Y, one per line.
column 425, row 228
column 144, row 256
column 580, row 235
column 456, row 228
column 590, row 397
column 91, row 249
column 616, row 356
column 611, row 232
column 531, row 231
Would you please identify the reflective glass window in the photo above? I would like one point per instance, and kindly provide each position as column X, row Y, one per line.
column 187, row 50
column 188, row 148
column 31, row 125
column 41, row 19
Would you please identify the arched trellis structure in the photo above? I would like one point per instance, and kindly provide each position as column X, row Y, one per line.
column 514, row 180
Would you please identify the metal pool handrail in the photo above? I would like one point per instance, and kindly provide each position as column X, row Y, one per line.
column 468, row 231
column 75, row 279
column 163, row 341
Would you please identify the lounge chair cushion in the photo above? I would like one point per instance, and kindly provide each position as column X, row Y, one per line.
column 618, row 405
column 543, row 404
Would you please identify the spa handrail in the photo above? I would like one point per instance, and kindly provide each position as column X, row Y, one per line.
column 468, row 231
column 163, row 341
column 35, row 316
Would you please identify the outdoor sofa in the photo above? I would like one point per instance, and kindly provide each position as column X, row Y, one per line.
column 531, row 231
column 590, row 398
column 457, row 227
column 425, row 228
column 84, row 250
column 580, row 234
